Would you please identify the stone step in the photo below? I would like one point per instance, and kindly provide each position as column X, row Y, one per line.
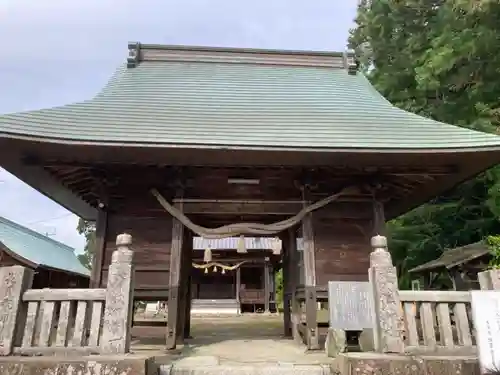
column 245, row 370
column 215, row 307
column 210, row 365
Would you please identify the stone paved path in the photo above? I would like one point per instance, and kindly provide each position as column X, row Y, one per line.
column 243, row 340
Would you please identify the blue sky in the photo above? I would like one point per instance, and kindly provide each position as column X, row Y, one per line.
column 58, row 51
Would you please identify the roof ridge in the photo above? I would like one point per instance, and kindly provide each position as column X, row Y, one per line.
column 139, row 52
column 35, row 233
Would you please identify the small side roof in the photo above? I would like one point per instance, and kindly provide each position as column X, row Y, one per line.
column 177, row 96
column 454, row 257
column 38, row 249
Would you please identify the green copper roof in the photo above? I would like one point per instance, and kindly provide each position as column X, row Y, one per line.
column 217, row 102
column 39, row 249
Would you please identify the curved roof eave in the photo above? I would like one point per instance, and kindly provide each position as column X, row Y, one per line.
column 389, row 150
column 226, row 105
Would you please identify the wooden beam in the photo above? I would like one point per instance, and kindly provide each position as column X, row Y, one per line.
column 184, row 297
column 238, row 286
column 99, row 249
column 175, row 278
column 379, row 227
column 287, row 286
column 294, row 280
column 337, row 209
column 312, row 339
column 42, row 181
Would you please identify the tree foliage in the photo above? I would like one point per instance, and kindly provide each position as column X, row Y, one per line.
column 87, row 228
column 439, row 59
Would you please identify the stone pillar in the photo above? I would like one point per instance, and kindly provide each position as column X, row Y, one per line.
column 119, row 299
column 14, row 281
column 388, row 319
column 489, row 280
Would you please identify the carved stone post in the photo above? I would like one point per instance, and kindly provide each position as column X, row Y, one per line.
column 14, row 281
column 489, row 280
column 389, row 324
column 119, row 299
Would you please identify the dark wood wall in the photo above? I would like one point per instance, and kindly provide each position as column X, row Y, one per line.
column 152, row 237
column 342, row 248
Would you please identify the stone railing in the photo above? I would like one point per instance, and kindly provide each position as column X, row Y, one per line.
column 437, row 319
column 63, row 321
column 419, row 319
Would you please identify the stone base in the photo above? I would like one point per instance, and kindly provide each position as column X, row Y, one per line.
column 393, row 364
column 245, row 370
column 89, row 365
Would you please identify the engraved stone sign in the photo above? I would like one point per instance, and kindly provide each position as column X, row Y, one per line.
column 486, row 318
column 350, row 304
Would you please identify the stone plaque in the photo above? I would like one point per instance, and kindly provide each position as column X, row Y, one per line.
column 486, row 318
column 350, row 304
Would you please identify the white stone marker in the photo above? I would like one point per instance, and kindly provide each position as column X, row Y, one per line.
column 486, row 318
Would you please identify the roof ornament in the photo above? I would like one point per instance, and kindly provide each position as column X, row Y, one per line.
column 351, row 64
column 133, row 54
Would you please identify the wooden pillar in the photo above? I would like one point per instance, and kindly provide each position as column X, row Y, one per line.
column 312, row 340
column 238, row 287
column 267, row 286
column 379, row 227
column 287, row 288
column 187, row 324
column 175, row 277
column 294, row 280
column 99, row 248
column 184, row 297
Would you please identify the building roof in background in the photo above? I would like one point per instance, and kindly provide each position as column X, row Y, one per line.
column 175, row 96
column 454, row 257
column 38, row 249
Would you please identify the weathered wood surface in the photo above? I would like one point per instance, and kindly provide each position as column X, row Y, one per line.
column 14, row 281
column 47, row 324
column 291, row 240
column 62, row 328
column 99, row 249
column 436, row 320
column 489, row 280
column 151, row 251
column 64, row 295
column 31, row 319
column 174, row 285
column 342, row 249
column 350, row 305
column 79, row 329
column 434, row 296
column 312, row 335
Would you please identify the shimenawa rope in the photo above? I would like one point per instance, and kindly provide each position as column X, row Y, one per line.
column 243, row 228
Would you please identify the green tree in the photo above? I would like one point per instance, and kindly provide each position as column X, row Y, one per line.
column 278, row 281
column 87, row 228
column 439, row 59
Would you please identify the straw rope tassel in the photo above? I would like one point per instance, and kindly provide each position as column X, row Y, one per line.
column 277, row 246
column 241, row 249
column 207, row 255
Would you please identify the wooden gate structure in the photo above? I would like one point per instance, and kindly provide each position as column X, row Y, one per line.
column 235, row 135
